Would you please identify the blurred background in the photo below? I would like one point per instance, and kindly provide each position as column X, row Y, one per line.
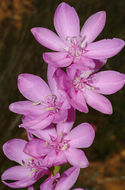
column 20, row 52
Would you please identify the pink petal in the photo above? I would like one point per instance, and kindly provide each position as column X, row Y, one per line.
column 81, row 136
column 99, row 64
column 98, row 102
column 46, row 133
column 48, row 38
column 13, row 149
column 78, row 189
column 31, row 188
column 28, row 108
column 93, row 26
column 66, row 21
column 33, row 87
column 68, row 179
column 36, row 148
column 65, row 127
column 108, row 82
column 77, row 100
column 61, row 79
column 51, row 80
column 54, row 158
column 48, row 184
column 104, row 49
column 15, row 173
column 76, row 157
column 61, row 116
column 28, row 181
column 57, row 59
column 37, row 123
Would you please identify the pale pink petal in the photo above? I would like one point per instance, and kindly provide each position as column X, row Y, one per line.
column 68, row 179
column 28, row 108
column 81, row 136
column 78, row 189
column 57, row 59
column 98, row 102
column 65, row 127
column 66, row 21
column 76, row 157
column 13, row 149
column 48, row 38
column 54, row 158
column 33, row 87
column 15, row 173
column 104, row 49
column 108, row 82
column 77, row 100
column 36, row 148
column 93, row 26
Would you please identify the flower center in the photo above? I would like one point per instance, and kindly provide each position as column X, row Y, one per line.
column 51, row 104
column 82, row 81
column 77, row 46
column 33, row 165
column 58, row 143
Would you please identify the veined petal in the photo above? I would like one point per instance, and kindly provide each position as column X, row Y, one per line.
column 33, row 87
column 13, row 149
column 108, row 82
column 66, row 21
column 104, row 49
column 76, row 157
column 93, row 26
column 98, row 102
column 48, row 38
column 15, row 173
column 27, row 108
column 81, row 136
column 36, row 148
column 65, row 127
column 68, row 179
column 57, row 59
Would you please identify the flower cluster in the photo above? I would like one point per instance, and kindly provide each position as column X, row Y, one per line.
column 49, row 111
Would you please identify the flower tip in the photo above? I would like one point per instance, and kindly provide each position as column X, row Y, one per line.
column 11, row 107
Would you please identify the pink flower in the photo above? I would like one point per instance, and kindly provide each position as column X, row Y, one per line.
column 61, row 145
column 84, row 86
column 44, row 105
column 65, row 182
column 70, row 44
column 29, row 170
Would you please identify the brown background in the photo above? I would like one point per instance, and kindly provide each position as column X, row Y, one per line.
column 19, row 52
